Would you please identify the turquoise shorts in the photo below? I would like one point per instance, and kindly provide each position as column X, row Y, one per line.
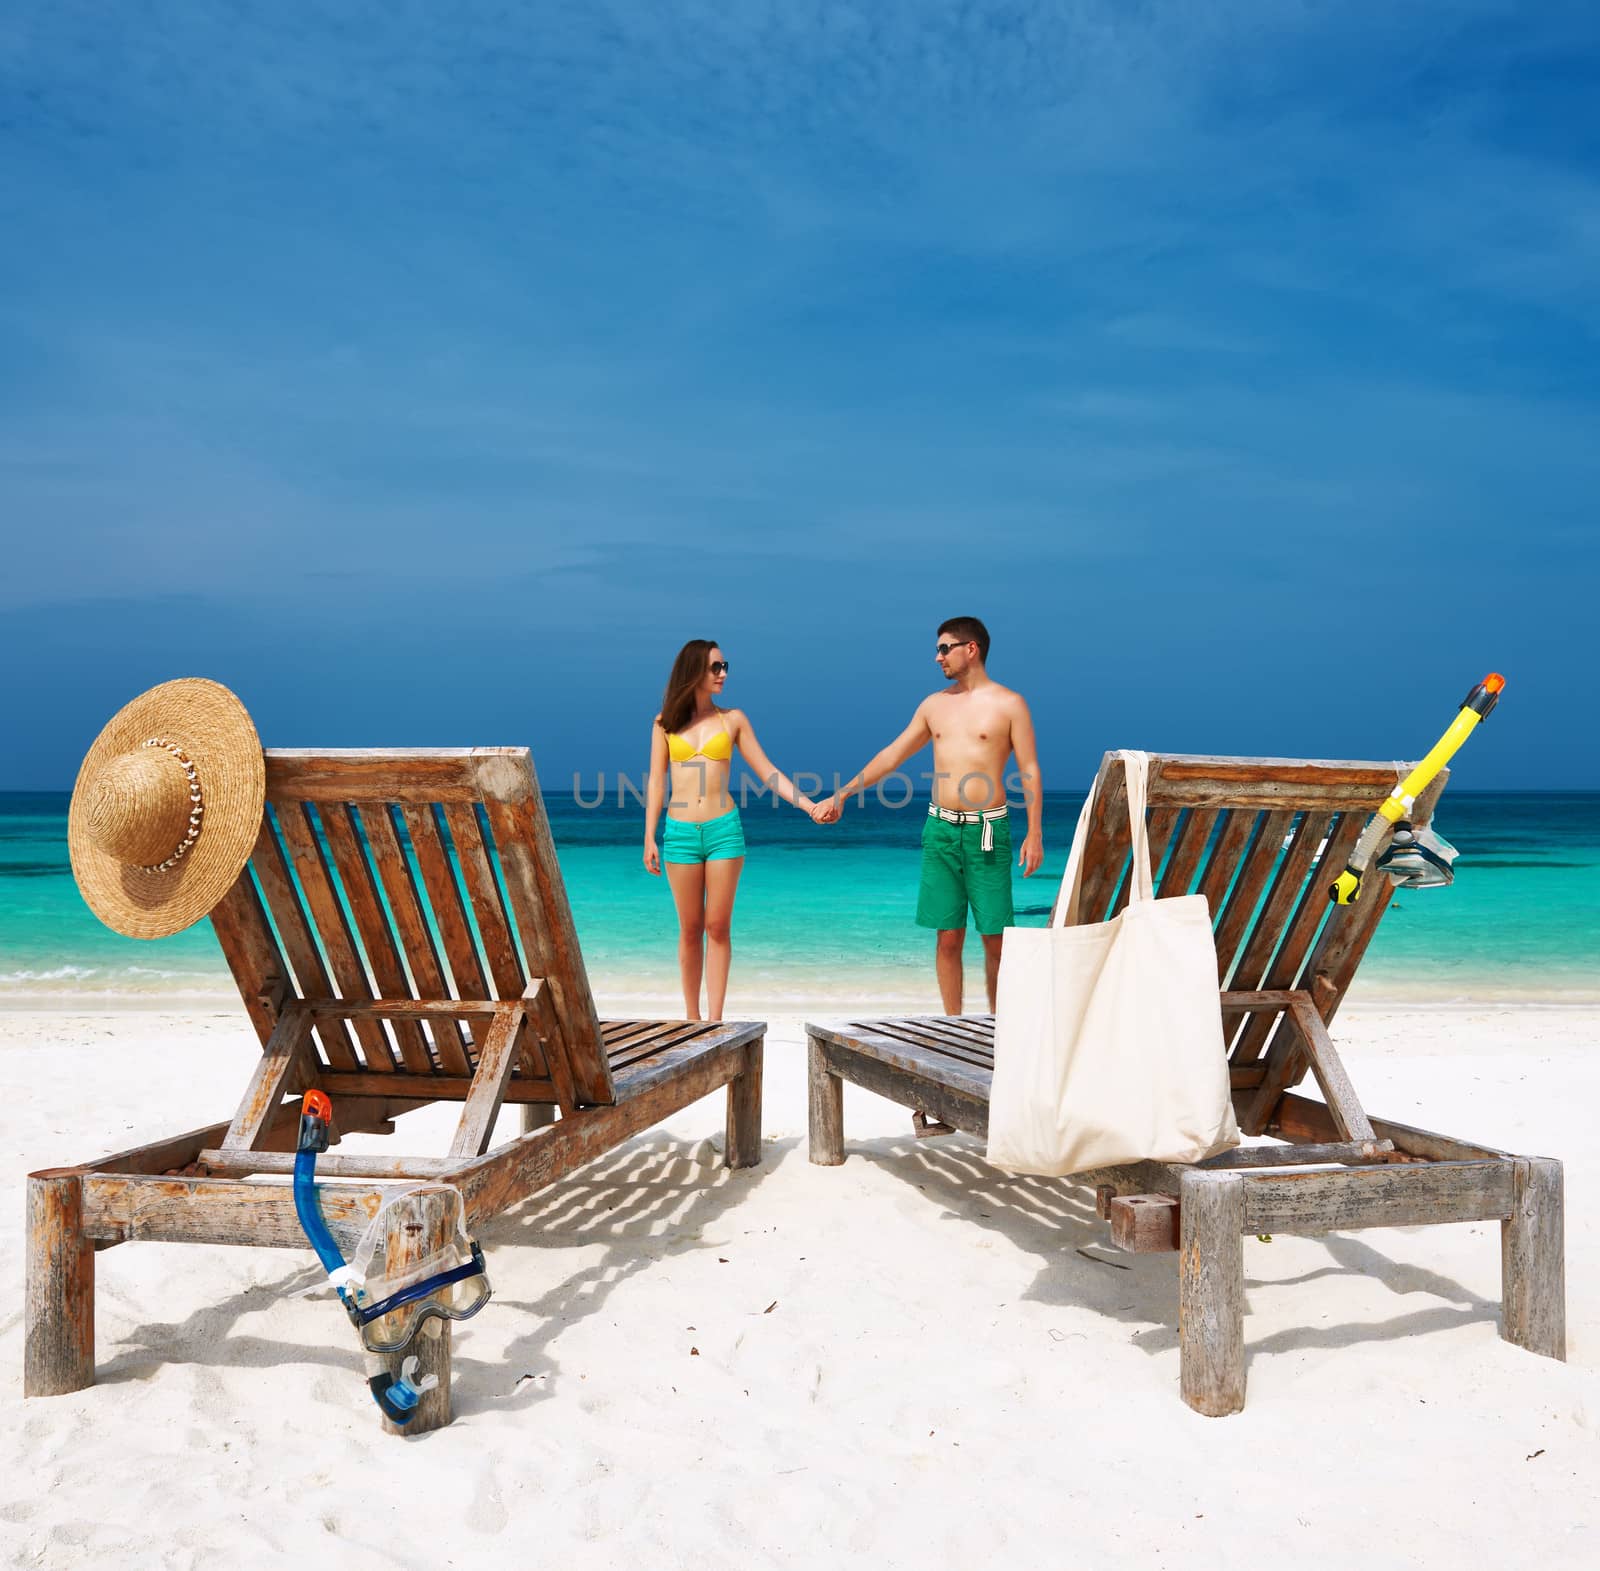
column 716, row 840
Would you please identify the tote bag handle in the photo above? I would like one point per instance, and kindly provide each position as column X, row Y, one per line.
column 1136, row 771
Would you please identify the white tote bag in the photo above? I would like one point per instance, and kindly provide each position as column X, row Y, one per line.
column 1108, row 1044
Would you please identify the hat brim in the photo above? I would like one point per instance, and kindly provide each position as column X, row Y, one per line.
column 210, row 724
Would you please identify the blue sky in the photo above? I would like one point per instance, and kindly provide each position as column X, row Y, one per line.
column 429, row 373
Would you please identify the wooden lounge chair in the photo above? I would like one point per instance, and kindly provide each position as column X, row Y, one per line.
column 1246, row 833
column 420, row 948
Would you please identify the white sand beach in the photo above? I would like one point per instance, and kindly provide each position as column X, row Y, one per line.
column 905, row 1361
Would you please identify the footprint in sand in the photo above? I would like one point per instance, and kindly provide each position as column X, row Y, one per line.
column 487, row 1513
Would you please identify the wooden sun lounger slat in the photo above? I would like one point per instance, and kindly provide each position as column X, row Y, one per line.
column 494, row 926
column 973, row 1033
column 1159, row 824
column 259, row 971
column 617, row 1034
column 969, row 1032
column 1345, row 1152
column 966, row 1030
column 423, row 774
column 1343, row 942
column 1327, row 787
column 409, row 1008
column 672, row 1036
column 1190, row 846
column 1287, row 963
column 284, row 1069
column 1300, row 1118
column 541, row 1048
column 1404, row 1195
column 1304, row 1025
column 495, row 1065
column 334, row 1164
column 970, row 1079
column 1237, row 827
column 646, row 1092
column 1316, row 1047
column 430, row 1087
column 349, row 973
column 272, row 874
column 377, row 938
column 1258, row 862
column 915, row 1034
column 416, row 940
column 1256, row 1000
column 544, row 922
column 1109, row 824
column 122, row 1207
column 444, row 896
column 1287, row 887
column 930, row 1083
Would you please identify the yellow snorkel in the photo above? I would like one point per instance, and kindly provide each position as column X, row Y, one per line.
column 1393, row 817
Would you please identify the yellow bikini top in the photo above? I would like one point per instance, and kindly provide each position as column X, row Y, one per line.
column 719, row 749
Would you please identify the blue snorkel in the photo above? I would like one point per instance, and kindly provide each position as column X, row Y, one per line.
column 397, row 1395
column 316, row 1114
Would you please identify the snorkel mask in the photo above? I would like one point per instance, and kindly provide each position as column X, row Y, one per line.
column 1418, row 858
column 392, row 1302
column 388, row 1301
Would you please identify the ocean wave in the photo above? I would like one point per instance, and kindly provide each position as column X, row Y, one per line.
column 761, row 988
column 108, row 984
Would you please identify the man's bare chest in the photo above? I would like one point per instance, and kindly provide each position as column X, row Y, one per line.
column 968, row 727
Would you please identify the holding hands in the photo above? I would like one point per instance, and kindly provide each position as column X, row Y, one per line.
column 826, row 812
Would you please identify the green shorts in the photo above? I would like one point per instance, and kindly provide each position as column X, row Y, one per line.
column 957, row 871
column 715, row 840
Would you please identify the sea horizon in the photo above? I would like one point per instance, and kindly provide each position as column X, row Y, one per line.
column 824, row 918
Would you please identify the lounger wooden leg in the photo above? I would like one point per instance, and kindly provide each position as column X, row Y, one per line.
column 418, row 1226
column 827, row 1110
column 537, row 1115
column 1533, row 1281
column 58, row 1339
column 1211, row 1292
column 742, row 1145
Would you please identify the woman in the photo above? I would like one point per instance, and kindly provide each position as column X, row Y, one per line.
column 691, row 751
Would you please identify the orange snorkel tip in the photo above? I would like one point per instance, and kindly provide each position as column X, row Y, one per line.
column 1485, row 695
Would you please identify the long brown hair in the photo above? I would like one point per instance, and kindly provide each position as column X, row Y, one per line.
column 688, row 671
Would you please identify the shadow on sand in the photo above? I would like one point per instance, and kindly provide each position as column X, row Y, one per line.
column 646, row 1201
column 1055, row 1220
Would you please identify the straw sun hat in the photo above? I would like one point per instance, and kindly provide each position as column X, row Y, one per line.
column 166, row 808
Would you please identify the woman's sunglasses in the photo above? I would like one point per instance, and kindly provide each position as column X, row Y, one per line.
column 720, row 668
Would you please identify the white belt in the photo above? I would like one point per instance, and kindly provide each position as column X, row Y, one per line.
column 987, row 818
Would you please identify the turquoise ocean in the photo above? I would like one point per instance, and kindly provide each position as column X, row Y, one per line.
column 824, row 919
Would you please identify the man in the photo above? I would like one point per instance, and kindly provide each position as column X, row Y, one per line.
column 975, row 725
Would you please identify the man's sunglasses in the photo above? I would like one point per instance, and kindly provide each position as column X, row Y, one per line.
column 720, row 668
column 943, row 649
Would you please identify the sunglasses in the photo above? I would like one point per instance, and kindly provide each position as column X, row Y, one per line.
column 943, row 649
column 720, row 667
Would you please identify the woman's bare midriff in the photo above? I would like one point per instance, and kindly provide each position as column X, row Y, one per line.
column 699, row 791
